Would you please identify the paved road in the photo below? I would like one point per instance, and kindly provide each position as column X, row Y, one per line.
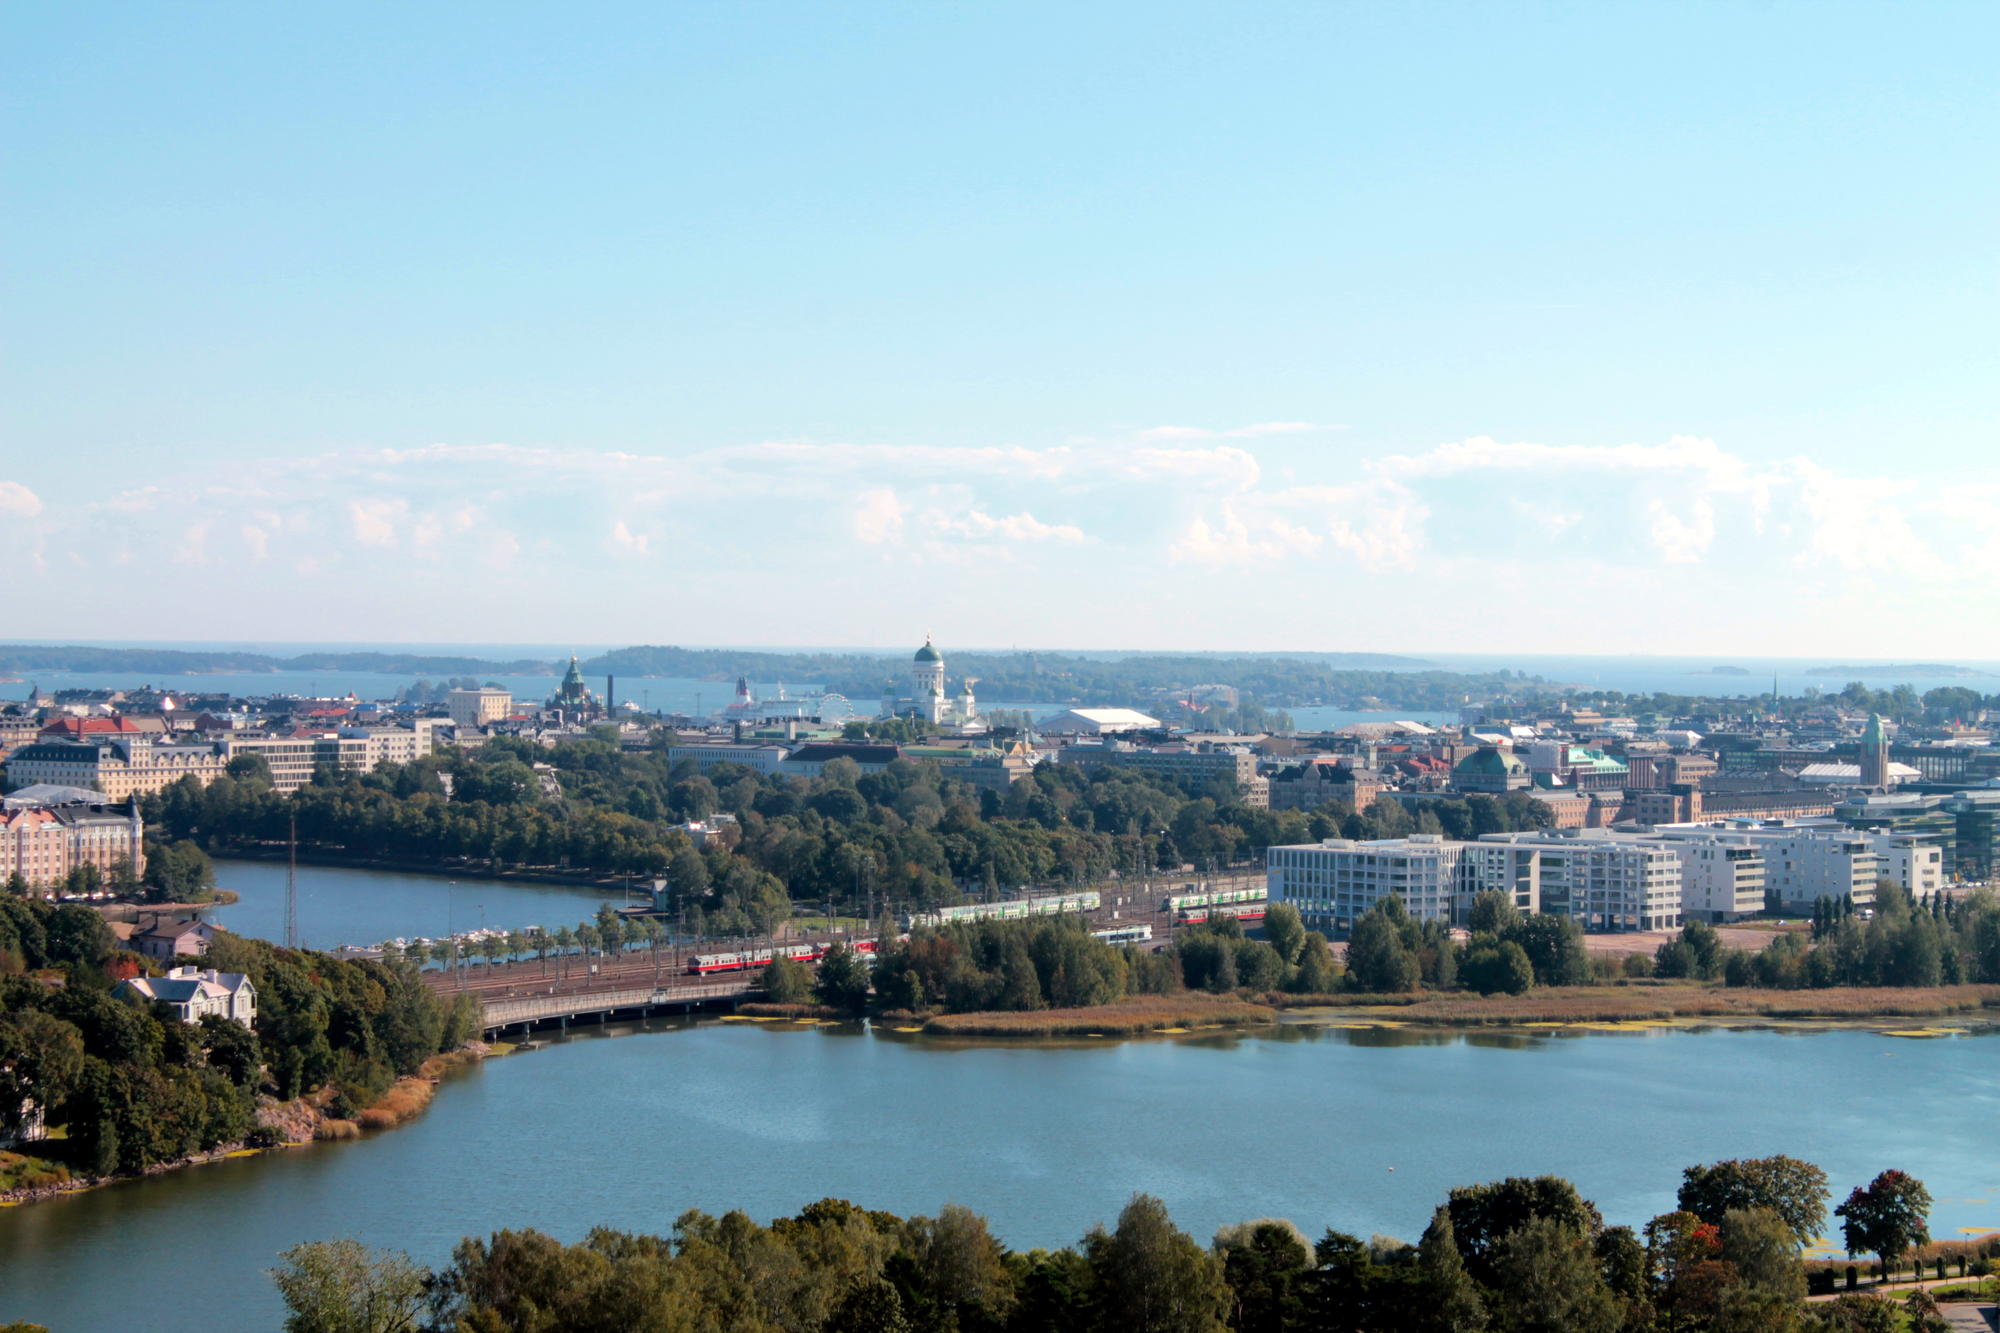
column 1969, row 1318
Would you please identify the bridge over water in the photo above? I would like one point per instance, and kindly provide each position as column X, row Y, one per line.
column 602, row 1006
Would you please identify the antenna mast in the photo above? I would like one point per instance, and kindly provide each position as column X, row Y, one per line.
column 292, row 887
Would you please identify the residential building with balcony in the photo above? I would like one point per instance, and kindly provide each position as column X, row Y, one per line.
column 1334, row 882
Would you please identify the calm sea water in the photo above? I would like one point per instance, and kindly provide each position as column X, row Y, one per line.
column 1632, row 674
column 1364, row 1131
column 341, row 906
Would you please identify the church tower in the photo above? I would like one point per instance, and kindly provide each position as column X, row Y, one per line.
column 1874, row 753
column 927, row 682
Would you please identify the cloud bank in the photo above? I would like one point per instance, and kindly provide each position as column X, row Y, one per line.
column 1280, row 533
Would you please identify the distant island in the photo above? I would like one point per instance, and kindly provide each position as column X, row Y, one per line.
column 1266, row 680
column 1722, row 671
column 1896, row 669
column 16, row 659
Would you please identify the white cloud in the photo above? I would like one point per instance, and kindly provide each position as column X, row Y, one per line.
column 1418, row 527
column 1225, row 465
column 1231, row 540
column 1023, row 527
column 878, row 517
column 193, row 549
column 628, row 541
column 375, row 521
column 1683, row 541
column 18, row 499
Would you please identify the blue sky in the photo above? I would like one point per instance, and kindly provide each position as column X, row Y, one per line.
column 1483, row 327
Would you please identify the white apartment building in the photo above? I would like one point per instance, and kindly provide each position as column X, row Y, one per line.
column 1913, row 861
column 1333, row 883
column 1722, row 877
column 294, row 758
column 1605, row 883
column 1805, row 861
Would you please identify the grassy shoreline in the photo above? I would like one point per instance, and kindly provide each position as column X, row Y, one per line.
column 1130, row 1017
column 1616, row 1004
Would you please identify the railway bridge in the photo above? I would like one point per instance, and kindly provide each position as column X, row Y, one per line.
column 602, row 1006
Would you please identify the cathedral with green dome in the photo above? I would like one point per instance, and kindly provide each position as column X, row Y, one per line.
column 927, row 698
column 573, row 696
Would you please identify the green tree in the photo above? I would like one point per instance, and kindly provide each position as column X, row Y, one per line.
column 1886, row 1217
column 843, row 980
column 1316, row 974
column 1546, row 1280
column 1149, row 1276
column 1764, row 1250
column 1378, row 960
column 1285, row 931
column 250, row 767
column 1796, row 1191
column 1264, row 1262
column 1492, row 913
column 1482, row 1215
column 1496, row 968
column 342, row 1286
column 1554, row 945
column 1449, row 1301
column 788, row 981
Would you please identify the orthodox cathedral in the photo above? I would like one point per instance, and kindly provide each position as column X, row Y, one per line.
column 574, row 697
column 927, row 698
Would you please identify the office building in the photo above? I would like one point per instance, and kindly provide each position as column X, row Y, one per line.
column 473, row 709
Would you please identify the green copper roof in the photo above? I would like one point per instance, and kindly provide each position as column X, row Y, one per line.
column 1873, row 734
column 1491, row 762
column 574, row 676
column 928, row 653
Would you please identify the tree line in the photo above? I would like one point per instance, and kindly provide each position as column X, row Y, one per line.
column 135, row 1087
column 911, row 835
column 1521, row 1255
column 1948, row 942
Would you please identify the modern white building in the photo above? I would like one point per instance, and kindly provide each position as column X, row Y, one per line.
column 1605, row 883
column 1806, row 860
column 1912, row 861
column 1333, row 883
column 1095, row 722
column 1722, row 878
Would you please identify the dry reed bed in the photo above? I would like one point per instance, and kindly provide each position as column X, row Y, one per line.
column 766, row 1009
column 1622, row 1004
column 1127, row 1018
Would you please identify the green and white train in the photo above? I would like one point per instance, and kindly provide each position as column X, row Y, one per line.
column 1014, row 909
column 1180, row 902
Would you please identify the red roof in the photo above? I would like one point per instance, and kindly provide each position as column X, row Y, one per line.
column 91, row 726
